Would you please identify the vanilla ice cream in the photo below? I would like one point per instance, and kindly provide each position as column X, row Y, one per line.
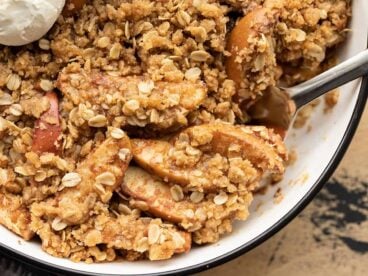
column 24, row 21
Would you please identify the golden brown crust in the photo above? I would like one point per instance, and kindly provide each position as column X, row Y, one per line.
column 305, row 33
column 117, row 234
column 144, row 236
column 190, row 157
column 134, row 100
column 203, row 214
column 15, row 216
column 100, row 174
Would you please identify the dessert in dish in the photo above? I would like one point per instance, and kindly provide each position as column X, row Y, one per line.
column 124, row 130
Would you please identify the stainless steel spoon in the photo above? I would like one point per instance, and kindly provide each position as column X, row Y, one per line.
column 279, row 105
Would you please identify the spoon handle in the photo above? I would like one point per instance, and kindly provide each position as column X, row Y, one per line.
column 345, row 72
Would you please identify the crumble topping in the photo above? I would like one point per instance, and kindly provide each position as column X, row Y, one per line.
column 166, row 83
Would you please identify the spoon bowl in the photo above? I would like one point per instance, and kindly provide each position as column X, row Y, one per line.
column 278, row 106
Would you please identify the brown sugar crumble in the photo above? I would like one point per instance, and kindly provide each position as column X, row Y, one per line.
column 166, row 84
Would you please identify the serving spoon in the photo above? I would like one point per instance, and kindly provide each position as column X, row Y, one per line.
column 278, row 106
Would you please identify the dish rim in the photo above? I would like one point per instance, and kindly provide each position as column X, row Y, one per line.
column 228, row 256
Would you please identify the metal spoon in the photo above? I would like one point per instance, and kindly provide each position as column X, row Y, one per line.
column 279, row 105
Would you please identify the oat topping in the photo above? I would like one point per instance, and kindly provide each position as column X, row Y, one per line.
column 71, row 179
column 123, row 101
column 124, row 131
column 215, row 156
column 202, row 217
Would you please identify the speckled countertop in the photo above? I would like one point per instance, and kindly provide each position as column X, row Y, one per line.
column 330, row 237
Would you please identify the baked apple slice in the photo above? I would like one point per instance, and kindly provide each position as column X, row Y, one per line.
column 94, row 180
column 202, row 214
column 142, row 186
column 213, row 156
column 47, row 130
column 252, row 63
column 131, row 100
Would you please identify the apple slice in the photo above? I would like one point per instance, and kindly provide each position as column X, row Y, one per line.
column 252, row 63
column 260, row 145
column 164, row 105
column 248, row 151
column 47, row 130
column 98, row 176
column 201, row 214
column 142, row 186
column 151, row 155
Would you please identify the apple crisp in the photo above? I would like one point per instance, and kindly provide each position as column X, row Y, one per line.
column 124, row 130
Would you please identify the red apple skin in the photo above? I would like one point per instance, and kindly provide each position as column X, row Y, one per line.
column 47, row 130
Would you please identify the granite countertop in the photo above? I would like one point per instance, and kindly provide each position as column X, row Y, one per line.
column 329, row 236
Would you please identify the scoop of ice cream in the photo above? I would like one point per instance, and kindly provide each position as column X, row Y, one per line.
column 24, row 21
